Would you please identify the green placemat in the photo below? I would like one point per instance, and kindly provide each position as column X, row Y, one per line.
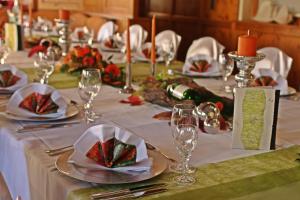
column 253, row 176
column 64, row 80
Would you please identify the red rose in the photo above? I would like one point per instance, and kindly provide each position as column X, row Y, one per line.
column 86, row 50
column 219, row 105
column 88, row 61
column 112, row 69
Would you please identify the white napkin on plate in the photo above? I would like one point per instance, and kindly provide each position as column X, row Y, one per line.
column 138, row 36
column 276, row 60
column 282, row 83
column 205, row 46
column 213, row 70
column 15, row 100
column 43, row 24
column 20, row 83
column 103, row 133
column 106, row 30
column 87, row 34
column 168, row 36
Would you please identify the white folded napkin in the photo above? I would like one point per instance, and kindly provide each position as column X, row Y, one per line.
column 282, row 83
column 205, row 46
column 16, row 72
column 213, row 70
column 140, row 54
column 102, row 133
column 118, row 43
column 138, row 36
column 276, row 60
column 43, row 24
column 87, row 34
column 19, row 95
column 106, row 30
column 168, row 37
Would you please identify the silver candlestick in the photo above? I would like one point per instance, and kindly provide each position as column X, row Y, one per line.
column 245, row 64
column 63, row 31
column 153, row 69
column 128, row 89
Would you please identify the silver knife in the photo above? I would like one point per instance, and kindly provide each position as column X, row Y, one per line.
column 122, row 192
column 136, row 195
column 38, row 127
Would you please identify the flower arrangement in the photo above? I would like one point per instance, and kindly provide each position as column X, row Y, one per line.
column 80, row 58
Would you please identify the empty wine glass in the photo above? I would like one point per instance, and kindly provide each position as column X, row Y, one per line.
column 44, row 66
column 183, row 113
column 4, row 51
column 227, row 68
column 88, row 88
column 185, row 139
column 167, row 51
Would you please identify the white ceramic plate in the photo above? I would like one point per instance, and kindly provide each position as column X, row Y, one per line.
column 72, row 111
column 110, row 177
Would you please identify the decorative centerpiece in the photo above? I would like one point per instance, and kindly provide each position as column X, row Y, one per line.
column 246, row 57
column 63, row 30
column 80, row 58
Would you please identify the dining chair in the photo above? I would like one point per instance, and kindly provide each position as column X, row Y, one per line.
column 207, row 46
column 170, row 37
column 138, row 36
column 107, row 30
column 276, row 60
column 4, row 192
column 78, row 20
column 94, row 23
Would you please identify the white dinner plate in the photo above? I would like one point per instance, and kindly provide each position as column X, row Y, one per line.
column 72, row 111
column 291, row 91
column 159, row 165
column 107, row 49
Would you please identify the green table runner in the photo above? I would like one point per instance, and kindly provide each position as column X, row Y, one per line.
column 254, row 176
column 64, row 80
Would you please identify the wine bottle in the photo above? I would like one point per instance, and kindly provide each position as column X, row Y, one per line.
column 184, row 92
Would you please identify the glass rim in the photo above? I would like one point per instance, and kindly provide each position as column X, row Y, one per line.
column 187, row 106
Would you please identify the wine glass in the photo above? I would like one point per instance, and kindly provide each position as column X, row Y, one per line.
column 44, row 66
column 167, row 51
column 4, row 51
column 88, row 88
column 185, row 139
column 227, row 68
column 183, row 113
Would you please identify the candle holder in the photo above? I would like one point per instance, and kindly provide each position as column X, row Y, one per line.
column 63, row 31
column 153, row 69
column 128, row 89
column 245, row 64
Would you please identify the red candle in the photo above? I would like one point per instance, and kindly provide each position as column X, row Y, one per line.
column 64, row 14
column 247, row 45
column 128, row 50
column 153, row 49
column 21, row 12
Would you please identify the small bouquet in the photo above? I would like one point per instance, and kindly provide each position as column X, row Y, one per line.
column 80, row 58
column 113, row 75
column 42, row 46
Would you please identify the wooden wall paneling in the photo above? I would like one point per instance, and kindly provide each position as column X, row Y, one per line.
column 118, row 7
column 158, row 7
column 60, row 4
column 92, row 5
column 184, row 8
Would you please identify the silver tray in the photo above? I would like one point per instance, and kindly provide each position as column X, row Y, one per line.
column 159, row 165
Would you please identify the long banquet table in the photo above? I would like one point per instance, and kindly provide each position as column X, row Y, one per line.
column 31, row 173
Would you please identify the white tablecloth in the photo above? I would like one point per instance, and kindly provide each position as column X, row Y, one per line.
column 31, row 173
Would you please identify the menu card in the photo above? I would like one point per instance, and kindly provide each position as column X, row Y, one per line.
column 255, row 118
column 14, row 36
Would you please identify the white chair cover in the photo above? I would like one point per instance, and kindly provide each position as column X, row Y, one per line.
column 168, row 36
column 205, row 46
column 138, row 36
column 276, row 60
column 106, row 30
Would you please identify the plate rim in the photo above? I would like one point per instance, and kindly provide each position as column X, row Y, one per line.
column 68, row 173
column 291, row 91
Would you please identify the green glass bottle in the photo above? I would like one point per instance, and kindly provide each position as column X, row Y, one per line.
column 184, row 92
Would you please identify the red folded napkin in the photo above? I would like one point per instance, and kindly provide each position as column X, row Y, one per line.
column 265, row 81
column 200, row 66
column 113, row 153
column 39, row 103
column 7, row 78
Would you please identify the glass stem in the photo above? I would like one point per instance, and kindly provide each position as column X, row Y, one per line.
column 185, row 165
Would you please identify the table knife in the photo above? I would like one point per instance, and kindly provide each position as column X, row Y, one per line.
column 38, row 127
column 122, row 192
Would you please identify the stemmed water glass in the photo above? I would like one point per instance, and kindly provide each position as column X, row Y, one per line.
column 45, row 66
column 227, row 68
column 4, row 51
column 167, row 51
column 88, row 88
column 185, row 134
column 182, row 113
